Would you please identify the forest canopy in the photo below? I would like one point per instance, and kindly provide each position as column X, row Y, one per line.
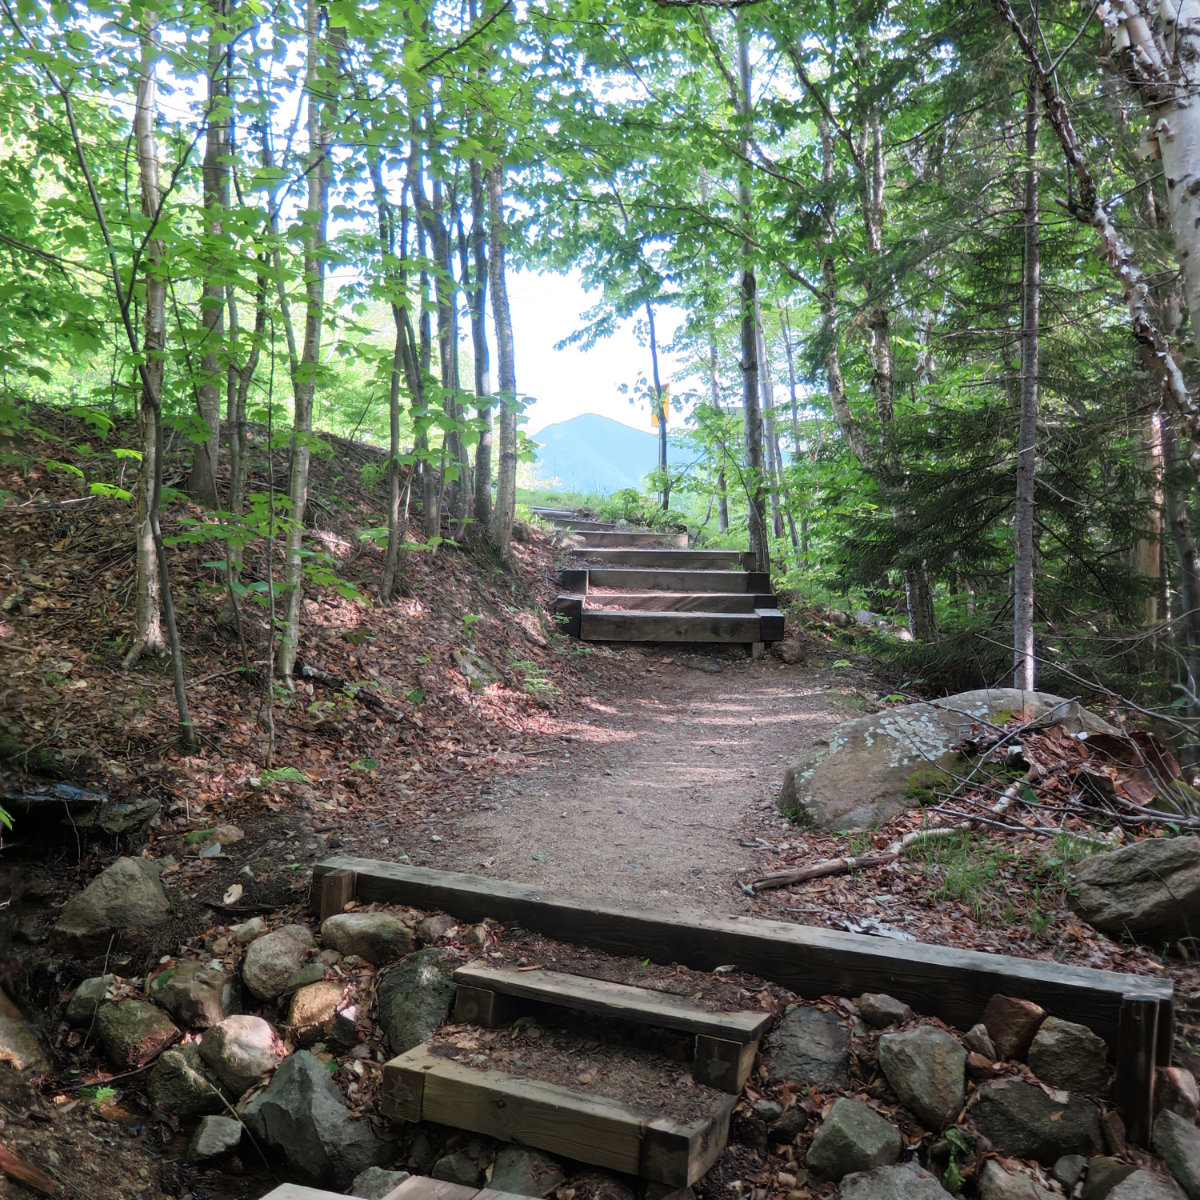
column 937, row 267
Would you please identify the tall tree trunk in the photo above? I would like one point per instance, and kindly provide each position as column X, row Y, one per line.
column 714, row 388
column 479, row 345
column 1186, row 626
column 660, row 405
column 767, row 391
column 320, row 120
column 431, row 475
column 1024, row 657
column 240, row 379
column 148, row 631
column 752, row 415
column 506, row 478
column 215, row 175
column 398, row 279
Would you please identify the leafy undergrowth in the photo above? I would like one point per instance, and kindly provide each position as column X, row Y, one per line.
column 66, row 581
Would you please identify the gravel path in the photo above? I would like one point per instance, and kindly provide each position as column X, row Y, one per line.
column 649, row 794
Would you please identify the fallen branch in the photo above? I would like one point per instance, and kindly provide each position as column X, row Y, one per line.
column 354, row 691
column 843, row 866
column 23, row 1172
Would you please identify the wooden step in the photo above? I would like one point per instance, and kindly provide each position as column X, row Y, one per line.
column 608, row 539
column 724, row 602
column 415, row 1187
column 584, row 579
column 422, row 1086
column 725, row 1042
column 603, row 625
column 676, row 560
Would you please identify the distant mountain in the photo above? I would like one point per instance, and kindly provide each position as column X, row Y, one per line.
column 591, row 453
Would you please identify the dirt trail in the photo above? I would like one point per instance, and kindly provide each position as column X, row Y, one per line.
column 646, row 799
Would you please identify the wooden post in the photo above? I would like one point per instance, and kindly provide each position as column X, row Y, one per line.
column 574, row 579
column 1136, row 1045
column 569, row 612
column 336, row 890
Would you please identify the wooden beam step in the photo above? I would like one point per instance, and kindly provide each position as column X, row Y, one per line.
column 665, row 579
column 727, row 560
column 608, row 539
column 725, row 1042
column 422, row 1086
column 603, row 625
column 415, row 1187
column 723, row 602
column 940, row 981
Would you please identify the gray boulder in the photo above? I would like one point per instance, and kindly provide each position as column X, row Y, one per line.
column 1175, row 1088
column 302, row 1117
column 880, row 1010
column 525, row 1172
column 132, row 1032
column 435, row 927
column 214, row 1136
column 1066, row 1055
column 178, row 1085
column 313, row 1009
column 852, row 1138
column 461, row 1167
column 378, row 937
column 84, row 1004
column 1103, row 1174
column 1177, row 1142
column 995, row 1183
column 1148, row 890
column 196, row 994
column 1020, row 1119
column 874, row 768
column 811, row 1048
column 19, row 1045
column 906, row 1181
column 415, row 996
column 125, row 899
column 274, row 958
column 1141, row 1185
column 926, row 1068
column 1012, row 1023
column 242, row 1050
column 374, row 1183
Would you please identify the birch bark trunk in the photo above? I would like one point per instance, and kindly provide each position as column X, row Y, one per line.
column 1024, row 658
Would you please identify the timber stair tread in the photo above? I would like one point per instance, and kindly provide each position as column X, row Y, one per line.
column 608, row 625
column 423, row 1085
column 669, row 557
column 415, row 1187
column 483, row 991
column 672, row 1135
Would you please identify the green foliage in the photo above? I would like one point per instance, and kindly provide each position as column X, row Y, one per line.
column 533, row 678
column 283, row 775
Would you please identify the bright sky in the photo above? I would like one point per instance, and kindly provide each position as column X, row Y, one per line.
column 568, row 382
